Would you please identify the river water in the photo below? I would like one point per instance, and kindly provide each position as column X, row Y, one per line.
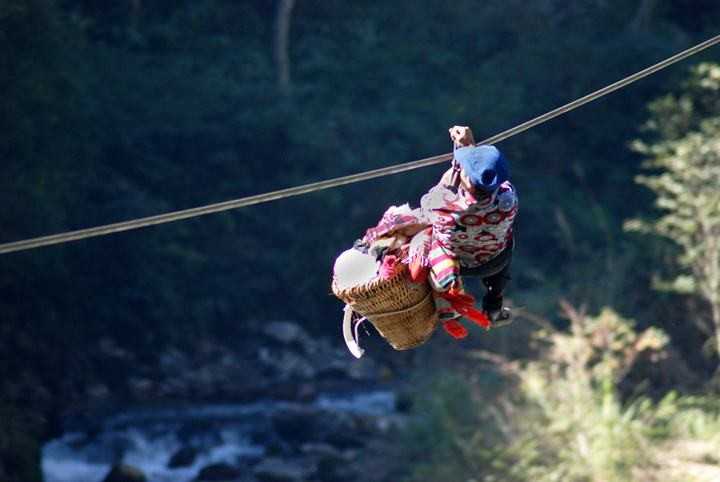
column 147, row 438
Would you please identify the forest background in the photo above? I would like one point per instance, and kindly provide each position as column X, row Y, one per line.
column 112, row 111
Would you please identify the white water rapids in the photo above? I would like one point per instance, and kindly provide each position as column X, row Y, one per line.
column 148, row 438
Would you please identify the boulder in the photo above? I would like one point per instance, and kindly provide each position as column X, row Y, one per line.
column 331, row 462
column 333, row 369
column 141, row 388
column 110, row 348
column 199, row 432
column 302, row 424
column 404, row 402
column 284, row 365
column 293, row 391
column 364, row 370
column 274, row 469
column 174, row 361
column 249, row 459
column 346, row 430
column 125, row 473
column 297, row 423
column 183, row 458
column 289, row 334
column 219, row 473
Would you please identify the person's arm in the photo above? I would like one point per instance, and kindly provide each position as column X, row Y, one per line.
column 448, row 179
column 461, row 136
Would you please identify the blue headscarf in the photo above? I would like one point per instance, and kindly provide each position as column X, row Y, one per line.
column 485, row 166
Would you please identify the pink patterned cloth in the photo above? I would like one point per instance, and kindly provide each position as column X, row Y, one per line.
column 467, row 231
column 397, row 220
column 452, row 229
column 389, row 267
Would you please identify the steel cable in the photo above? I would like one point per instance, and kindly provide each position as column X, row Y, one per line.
column 340, row 181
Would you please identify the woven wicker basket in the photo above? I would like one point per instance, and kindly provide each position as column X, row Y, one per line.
column 402, row 312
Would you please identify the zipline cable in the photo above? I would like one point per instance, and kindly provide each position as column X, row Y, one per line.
column 341, row 181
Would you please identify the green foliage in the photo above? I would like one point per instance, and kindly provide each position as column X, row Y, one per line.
column 685, row 162
column 565, row 420
column 576, row 416
column 443, row 443
column 112, row 111
column 144, row 107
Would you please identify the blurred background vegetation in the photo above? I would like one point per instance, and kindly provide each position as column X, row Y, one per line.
column 112, row 111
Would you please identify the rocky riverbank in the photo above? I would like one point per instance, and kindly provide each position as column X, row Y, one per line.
column 279, row 406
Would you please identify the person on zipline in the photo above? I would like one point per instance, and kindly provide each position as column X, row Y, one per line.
column 472, row 210
column 463, row 227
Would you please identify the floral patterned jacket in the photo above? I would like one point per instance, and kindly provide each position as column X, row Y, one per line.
column 467, row 230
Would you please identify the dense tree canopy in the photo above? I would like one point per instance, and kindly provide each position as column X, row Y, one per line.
column 112, row 111
column 686, row 161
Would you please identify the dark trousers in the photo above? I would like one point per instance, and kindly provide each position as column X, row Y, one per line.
column 495, row 275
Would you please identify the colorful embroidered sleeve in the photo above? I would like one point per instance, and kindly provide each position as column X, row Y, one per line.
column 437, row 205
column 444, row 268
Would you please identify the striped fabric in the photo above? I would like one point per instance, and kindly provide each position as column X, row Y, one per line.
column 444, row 268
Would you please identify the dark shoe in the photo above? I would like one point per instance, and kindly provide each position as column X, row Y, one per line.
column 501, row 317
column 496, row 312
column 498, row 315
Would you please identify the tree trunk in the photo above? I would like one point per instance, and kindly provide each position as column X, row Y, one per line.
column 716, row 322
column 643, row 15
column 282, row 35
column 135, row 13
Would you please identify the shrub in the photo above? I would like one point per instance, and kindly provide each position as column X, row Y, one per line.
column 562, row 417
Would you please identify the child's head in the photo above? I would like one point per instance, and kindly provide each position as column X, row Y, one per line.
column 483, row 166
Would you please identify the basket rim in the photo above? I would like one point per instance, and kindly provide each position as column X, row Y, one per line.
column 375, row 283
